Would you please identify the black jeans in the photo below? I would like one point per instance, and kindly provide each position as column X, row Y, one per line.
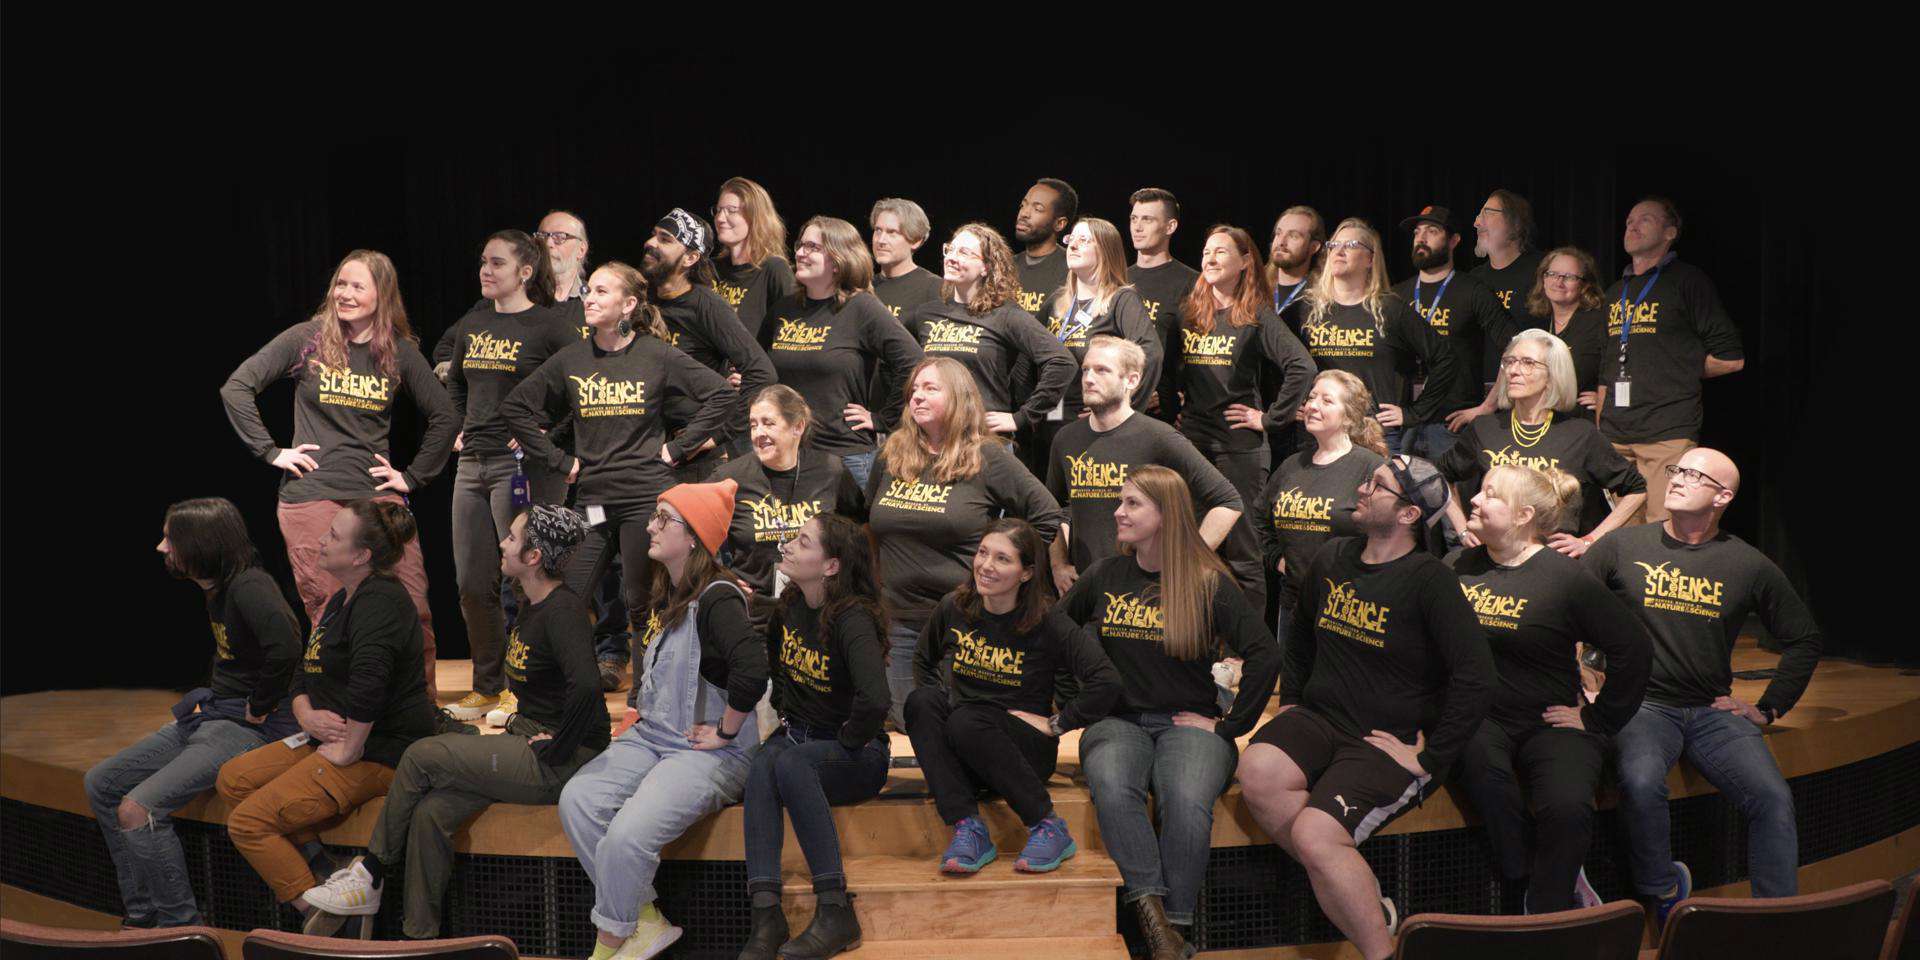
column 624, row 530
column 1560, row 769
column 806, row 772
column 1247, row 470
column 964, row 748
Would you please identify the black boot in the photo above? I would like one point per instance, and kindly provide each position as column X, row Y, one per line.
column 1163, row 941
column 834, row 930
column 769, row 932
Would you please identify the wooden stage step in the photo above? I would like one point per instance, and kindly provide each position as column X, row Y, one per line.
column 1017, row 948
column 908, row 899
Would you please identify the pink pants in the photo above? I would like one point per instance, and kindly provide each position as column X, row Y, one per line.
column 303, row 524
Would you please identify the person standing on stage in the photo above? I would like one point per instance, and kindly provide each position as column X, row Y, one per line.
column 349, row 363
column 1542, row 746
column 1164, row 611
column 564, row 237
column 360, row 698
column 1564, row 301
column 1387, row 677
column 1047, row 212
column 828, row 340
column 1467, row 317
column 1098, row 299
column 1666, row 332
column 1299, row 236
column 750, row 260
column 1161, row 281
column 1503, row 233
column 256, row 644
column 496, row 345
column 702, row 325
column 899, row 228
column 982, row 713
column 1694, row 585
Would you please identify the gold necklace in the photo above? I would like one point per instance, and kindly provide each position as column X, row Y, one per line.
column 1528, row 436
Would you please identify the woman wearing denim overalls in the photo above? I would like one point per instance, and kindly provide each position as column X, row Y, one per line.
column 688, row 754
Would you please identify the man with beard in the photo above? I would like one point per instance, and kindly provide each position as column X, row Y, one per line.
column 706, row 329
column 1503, row 234
column 1299, row 234
column 1046, row 212
column 1464, row 313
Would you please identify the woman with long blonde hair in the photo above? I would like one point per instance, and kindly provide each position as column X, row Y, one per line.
column 1165, row 609
column 750, row 264
column 1097, row 299
column 348, row 362
column 938, row 483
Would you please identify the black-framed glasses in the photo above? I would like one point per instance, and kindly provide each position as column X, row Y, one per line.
column 557, row 236
column 1691, row 477
column 1372, row 483
column 661, row 518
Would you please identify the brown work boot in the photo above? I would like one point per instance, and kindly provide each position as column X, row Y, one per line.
column 1163, row 941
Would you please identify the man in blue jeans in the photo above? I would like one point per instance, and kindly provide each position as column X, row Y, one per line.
column 1693, row 585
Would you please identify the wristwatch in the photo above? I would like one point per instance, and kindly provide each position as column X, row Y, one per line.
column 724, row 735
column 1053, row 724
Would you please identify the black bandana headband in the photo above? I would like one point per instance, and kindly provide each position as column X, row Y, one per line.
column 690, row 230
column 554, row 531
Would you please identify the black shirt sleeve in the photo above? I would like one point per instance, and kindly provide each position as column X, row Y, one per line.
column 862, row 643
column 1097, row 681
column 726, row 630
column 436, row 441
column 1607, row 623
column 570, row 638
column 1018, row 492
column 897, row 350
column 241, row 392
column 444, row 349
column 1468, row 662
column 930, row 654
column 850, row 501
column 378, row 627
column 1412, row 336
column 1052, row 360
column 1290, row 357
column 1261, row 516
column 272, row 624
column 729, row 338
column 691, row 378
column 1792, row 625
column 1130, row 317
column 1710, row 319
column 1606, row 465
column 1246, row 635
column 1299, row 654
column 540, row 398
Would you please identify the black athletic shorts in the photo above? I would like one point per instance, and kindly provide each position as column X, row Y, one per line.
column 1348, row 778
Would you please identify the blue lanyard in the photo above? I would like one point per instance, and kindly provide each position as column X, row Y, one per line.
column 1068, row 328
column 1436, row 297
column 1280, row 306
column 1626, row 311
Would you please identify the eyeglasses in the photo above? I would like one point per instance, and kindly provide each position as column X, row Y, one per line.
column 1071, row 241
column 1565, row 277
column 661, row 518
column 732, row 211
column 1335, row 246
column 556, row 236
column 1688, row 476
column 960, row 253
column 1372, row 483
column 1527, row 365
column 807, row 248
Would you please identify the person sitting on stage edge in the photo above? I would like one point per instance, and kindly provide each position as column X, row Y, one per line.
column 1165, row 610
column 830, row 688
column 444, row 781
column 1387, row 676
column 1536, row 607
column 361, row 697
column 1693, row 585
column 687, row 755
column 983, row 713
column 256, row 643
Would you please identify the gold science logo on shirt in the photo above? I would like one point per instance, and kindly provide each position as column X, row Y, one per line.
column 915, row 496
column 650, row 632
column 516, row 657
column 1345, row 614
column 1507, row 456
column 488, row 352
column 1506, row 298
column 362, row 391
column 1438, row 317
column 1667, row 588
column 596, row 396
column 1207, row 349
column 1091, row 479
column 310, row 660
column 980, row 658
column 1135, row 618
column 805, row 665
column 220, row 647
column 732, row 294
column 1295, row 510
column 1494, row 610
column 1332, row 340
column 775, row 521
column 1153, row 309
column 951, row 336
column 799, row 335
column 1645, row 317
column 1032, row 301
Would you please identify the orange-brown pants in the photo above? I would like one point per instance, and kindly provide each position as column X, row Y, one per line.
column 283, row 797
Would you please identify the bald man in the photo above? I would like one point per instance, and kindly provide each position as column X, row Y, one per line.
column 1693, row 585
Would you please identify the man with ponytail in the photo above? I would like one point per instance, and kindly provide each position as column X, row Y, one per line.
column 1387, row 676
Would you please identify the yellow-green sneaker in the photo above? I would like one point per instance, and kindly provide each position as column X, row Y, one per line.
column 473, row 706
column 509, row 705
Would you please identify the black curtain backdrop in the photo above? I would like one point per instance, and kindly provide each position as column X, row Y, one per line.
column 224, row 227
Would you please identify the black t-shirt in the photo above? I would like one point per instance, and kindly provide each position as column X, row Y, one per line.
column 752, row 289
column 1391, row 646
column 1075, row 325
column 994, row 346
column 909, row 290
column 617, row 401
column 1207, row 372
column 987, row 660
column 772, row 505
column 1678, row 321
column 347, row 411
column 732, row 656
column 550, row 668
column 1572, row 445
column 1474, row 325
column 1534, row 613
column 365, row 661
column 837, row 682
column 1512, row 286
column 492, row 353
column 1119, row 603
column 1693, row 599
column 1040, row 278
column 1306, row 504
column 1385, row 356
column 256, row 641
column 1085, row 469
column 1162, row 290
column 700, row 323
column 829, row 353
column 926, row 532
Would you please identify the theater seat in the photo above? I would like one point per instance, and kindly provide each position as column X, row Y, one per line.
column 31, row 941
column 1610, row 931
column 274, row 945
column 1903, row 941
column 1845, row 924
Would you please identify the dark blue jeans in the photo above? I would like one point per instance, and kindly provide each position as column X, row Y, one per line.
column 1730, row 752
column 1185, row 769
column 806, row 773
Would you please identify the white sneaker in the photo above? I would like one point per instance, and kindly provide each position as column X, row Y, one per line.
column 1583, row 893
column 648, row 940
column 348, row 893
column 509, row 705
column 1392, row 915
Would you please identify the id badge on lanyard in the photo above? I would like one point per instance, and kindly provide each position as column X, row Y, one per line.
column 1623, row 386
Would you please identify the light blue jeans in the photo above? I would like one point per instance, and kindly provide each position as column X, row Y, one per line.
column 1185, row 769
column 160, row 773
column 623, row 808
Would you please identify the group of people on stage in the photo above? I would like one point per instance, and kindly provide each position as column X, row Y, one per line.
column 1045, row 490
